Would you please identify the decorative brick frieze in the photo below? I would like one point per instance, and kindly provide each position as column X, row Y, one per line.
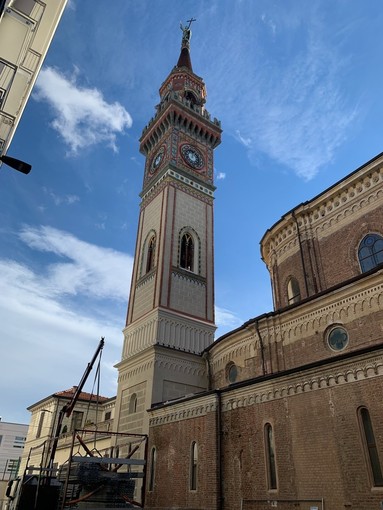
column 185, row 410
column 164, row 329
column 367, row 367
column 326, row 213
column 172, row 363
column 139, row 336
column 301, row 326
column 146, row 278
column 176, row 111
column 316, row 244
column 238, row 351
column 188, row 276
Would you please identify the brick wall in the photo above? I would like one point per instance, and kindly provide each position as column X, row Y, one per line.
column 172, row 475
column 319, row 445
column 317, row 243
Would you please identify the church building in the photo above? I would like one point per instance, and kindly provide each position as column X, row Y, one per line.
column 285, row 411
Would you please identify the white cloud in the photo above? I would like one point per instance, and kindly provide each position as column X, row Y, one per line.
column 292, row 106
column 247, row 142
column 47, row 337
column 226, row 319
column 82, row 116
column 269, row 23
column 61, row 199
column 88, row 269
column 221, row 176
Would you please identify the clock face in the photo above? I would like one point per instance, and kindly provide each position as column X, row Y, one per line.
column 157, row 160
column 192, row 156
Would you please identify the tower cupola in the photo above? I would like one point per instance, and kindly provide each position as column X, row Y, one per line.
column 185, row 60
column 182, row 133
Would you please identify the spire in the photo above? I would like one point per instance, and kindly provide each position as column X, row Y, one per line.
column 184, row 58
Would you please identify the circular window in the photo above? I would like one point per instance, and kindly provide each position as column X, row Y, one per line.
column 337, row 338
column 232, row 372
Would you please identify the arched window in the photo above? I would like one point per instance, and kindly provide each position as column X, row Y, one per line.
column 189, row 96
column 187, row 252
column 150, row 254
column 371, row 448
column 152, row 474
column 193, row 466
column 293, row 291
column 370, row 252
column 270, row 457
column 40, row 425
column 133, row 404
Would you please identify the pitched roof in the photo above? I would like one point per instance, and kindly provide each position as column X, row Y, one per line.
column 184, row 59
column 82, row 396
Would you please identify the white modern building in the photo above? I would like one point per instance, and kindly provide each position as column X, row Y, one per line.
column 12, row 439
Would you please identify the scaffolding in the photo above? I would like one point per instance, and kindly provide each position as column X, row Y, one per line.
column 282, row 504
column 100, row 479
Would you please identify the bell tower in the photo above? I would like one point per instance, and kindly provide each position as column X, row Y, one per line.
column 170, row 318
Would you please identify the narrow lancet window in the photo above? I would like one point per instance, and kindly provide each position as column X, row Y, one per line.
column 152, row 474
column 270, row 457
column 133, row 404
column 371, row 448
column 150, row 254
column 187, row 252
column 193, row 466
column 293, row 291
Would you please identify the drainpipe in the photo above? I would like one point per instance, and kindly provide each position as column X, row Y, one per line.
column 220, row 496
column 262, row 348
column 206, row 357
column 301, row 252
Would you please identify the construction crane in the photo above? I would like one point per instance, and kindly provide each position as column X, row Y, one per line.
column 40, row 491
column 89, row 480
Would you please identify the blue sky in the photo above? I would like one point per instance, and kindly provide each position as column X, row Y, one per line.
column 297, row 87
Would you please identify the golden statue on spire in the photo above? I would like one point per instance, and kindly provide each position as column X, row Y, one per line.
column 186, row 33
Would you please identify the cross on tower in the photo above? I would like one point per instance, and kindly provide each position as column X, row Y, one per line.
column 186, row 33
column 190, row 21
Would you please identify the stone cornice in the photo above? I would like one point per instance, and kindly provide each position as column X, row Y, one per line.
column 187, row 184
column 356, row 194
column 365, row 367
column 166, row 328
column 340, row 373
column 342, row 305
column 184, row 274
column 161, row 357
column 146, row 278
column 172, row 112
column 234, row 349
column 193, row 407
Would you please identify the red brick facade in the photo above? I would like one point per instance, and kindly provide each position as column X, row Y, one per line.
column 315, row 398
column 317, row 243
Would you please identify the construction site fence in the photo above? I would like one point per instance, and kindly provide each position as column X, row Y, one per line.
column 282, row 504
